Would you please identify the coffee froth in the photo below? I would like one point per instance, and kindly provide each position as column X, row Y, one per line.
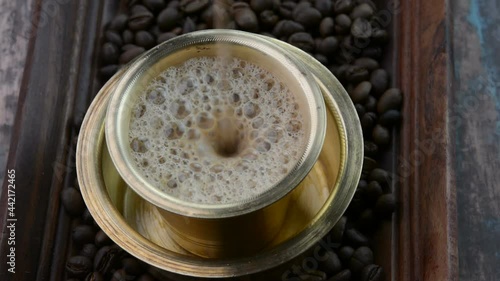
column 215, row 130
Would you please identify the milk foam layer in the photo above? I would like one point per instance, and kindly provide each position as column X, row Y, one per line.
column 216, row 130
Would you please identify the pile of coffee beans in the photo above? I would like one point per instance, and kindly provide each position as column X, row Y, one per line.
column 347, row 36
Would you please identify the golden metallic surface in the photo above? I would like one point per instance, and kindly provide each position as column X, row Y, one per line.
column 309, row 211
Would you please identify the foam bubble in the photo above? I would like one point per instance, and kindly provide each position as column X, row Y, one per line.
column 216, row 131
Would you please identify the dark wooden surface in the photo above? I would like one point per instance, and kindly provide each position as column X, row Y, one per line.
column 15, row 18
column 427, row 217
column 450, row 138
column 57, row 76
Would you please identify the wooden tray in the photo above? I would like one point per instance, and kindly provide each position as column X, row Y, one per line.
column 59, row 83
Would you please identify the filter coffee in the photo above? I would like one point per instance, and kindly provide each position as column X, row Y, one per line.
column 217, row 130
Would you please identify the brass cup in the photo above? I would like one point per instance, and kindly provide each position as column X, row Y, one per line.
column 229, row 229
column 300, row 213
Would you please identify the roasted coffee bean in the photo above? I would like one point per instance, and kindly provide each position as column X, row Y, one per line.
column 302, row 5
column 360, row 109
column 201, row 26
column 72, row 201
column 101, row 239
column 337, row 232
column 321, row 58
column 154, row 5
column 155, row 30
column 374, row 190
column 345, row 253
column 145, row 39
column 343, row 6
column 128, row 37
column 188, row 26
column 193, row 6
column 110, row 53
column 130, row 54
column 94, row 276
column 168, row 18
column 132, row 3
column 371, row 149
column 362, row 257
column 231, row 25
column 177, row 30
column 328, row 46
column 286, row 9
column 285, row 28
column 381, row 135
column 344, row 275
column 145, row 277
column 331, row 263
column 361, row 92
column 173, row 4
column 267, row 34
column 367, row 63
column 164, row 37
column 385, row 206
column 371, row 104
column 372, row 52
column 78, row 266
column 132, row 266
column 246, row 19
column 327, row 27
column 83, row 234
column 113, row 37
column 356, row 238
column 208, row 15
column 382, row 177
column 313, row 275
column 368, row 121
column 366, row 221
column 369, row 2
column 88, row 250
column 348, row 44
column 140, row 19
column 390, row 118
column 391, row 99
column 129, row 47
column 361, row 28
column 380, row 81
column 262, row 5
column 325, row 7
column 372, row 272
column 380, row 36
column 121, row 275
column 368, row 165
column 362, row 184
column 302, row 40
column 309, row 17
column 362, row 11
column 106, row 258
column 344, row 56
column 107, row 71
column 239, row 5
column 356, row 206
column 342, row 24
column 341, row 71
column 268, row 18
column 119, row 22
column 356, row 74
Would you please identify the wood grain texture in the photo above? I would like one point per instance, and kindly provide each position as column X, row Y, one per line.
column 476, row 109
column 15, row 19
column 426, row 238
column 59, row 68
